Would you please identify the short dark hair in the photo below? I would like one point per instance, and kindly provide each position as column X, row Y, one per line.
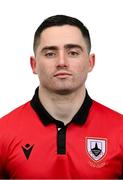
column 59, row 20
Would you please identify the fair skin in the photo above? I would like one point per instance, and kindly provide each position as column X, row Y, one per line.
column 62, row 63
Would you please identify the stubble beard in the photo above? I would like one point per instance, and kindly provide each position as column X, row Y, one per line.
column 63, row 88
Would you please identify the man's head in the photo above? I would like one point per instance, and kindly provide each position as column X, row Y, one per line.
column 60, row 20
column 62, row 55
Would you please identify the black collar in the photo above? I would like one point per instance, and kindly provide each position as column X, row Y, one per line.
column 79, row 118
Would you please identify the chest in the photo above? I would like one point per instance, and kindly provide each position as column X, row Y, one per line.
column 71, row 152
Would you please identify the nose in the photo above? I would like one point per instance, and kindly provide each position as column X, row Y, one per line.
column 62, row 61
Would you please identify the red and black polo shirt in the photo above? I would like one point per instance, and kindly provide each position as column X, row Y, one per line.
column 34, row 145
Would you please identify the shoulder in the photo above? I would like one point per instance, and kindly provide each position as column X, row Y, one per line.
column 15, row 123
column 105, row 121
column 15, row 115
column 104, row 111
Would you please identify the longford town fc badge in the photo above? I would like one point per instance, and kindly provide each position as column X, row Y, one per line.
column 96, row 148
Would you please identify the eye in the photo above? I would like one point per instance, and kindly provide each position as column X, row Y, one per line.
column 50, row 54
column 73, row 53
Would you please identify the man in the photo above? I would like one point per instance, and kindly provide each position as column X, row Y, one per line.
column 61, row 133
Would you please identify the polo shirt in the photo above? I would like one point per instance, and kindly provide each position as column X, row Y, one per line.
column 34, row 145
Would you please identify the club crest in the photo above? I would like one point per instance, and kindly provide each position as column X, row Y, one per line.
column 96, row 148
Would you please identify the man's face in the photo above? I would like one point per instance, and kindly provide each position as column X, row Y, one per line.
column 62, row 61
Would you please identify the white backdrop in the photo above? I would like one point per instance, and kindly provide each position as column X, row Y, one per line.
column 20, row 19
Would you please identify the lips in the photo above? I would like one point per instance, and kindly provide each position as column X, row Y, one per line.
column 62, row 74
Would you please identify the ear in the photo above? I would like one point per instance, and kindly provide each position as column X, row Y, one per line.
column 33, row 64
column 91, row 62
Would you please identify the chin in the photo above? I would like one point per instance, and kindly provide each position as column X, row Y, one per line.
column 63, row 91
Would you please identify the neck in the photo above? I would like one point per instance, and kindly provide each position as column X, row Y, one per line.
column 62, row 107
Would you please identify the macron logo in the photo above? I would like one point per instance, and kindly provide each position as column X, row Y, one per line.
column 27, row 149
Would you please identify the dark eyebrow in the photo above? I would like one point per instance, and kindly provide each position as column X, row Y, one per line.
column 67, row 46
column 49, row 48
column 70, row 46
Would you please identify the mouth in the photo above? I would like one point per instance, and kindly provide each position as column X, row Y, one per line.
column 62, row 74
